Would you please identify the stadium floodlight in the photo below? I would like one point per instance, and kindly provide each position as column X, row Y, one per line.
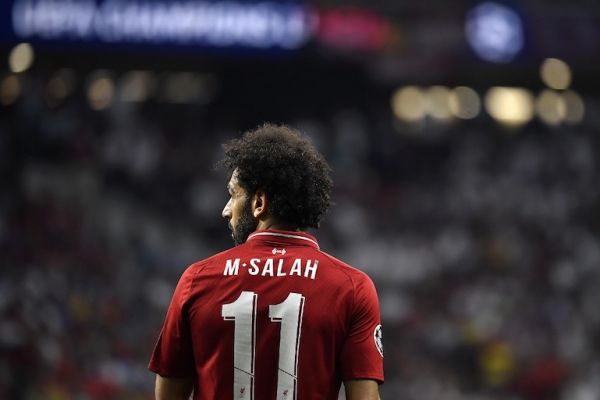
column 551, row 107
column 21, row 58
column 409, row 104
column 464, row 102
column 575, row 105
column 437, row 100
column 556, row 74
column 510, row 106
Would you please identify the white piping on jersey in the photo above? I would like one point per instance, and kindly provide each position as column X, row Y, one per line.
column 283, row 235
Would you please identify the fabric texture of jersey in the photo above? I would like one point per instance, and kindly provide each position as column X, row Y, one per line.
column 295, row 321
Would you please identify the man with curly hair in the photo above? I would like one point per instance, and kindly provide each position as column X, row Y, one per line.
column 273, row 317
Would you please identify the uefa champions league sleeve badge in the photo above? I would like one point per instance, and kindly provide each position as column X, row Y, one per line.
column 378, row 337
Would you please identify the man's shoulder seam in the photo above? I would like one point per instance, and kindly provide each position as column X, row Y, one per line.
column 201, row 264
column 341, row 266
column 197, row 267
column 344, row 267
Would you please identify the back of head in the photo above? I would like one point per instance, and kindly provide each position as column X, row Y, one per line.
column 286, row 166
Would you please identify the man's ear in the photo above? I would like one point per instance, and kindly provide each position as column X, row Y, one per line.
column 259, row 204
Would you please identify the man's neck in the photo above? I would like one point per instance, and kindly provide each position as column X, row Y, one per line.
column 270, row 224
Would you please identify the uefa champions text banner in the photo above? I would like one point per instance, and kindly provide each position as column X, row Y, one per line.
column 245, row 25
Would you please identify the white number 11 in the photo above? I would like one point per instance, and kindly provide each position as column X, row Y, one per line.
column 243, row 312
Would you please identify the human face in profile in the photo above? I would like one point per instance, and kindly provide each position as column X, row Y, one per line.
column 238, row 211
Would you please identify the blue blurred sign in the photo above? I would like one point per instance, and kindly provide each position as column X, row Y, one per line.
column 495, row 32
column 218, row 24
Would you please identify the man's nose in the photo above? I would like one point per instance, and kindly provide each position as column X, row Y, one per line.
column 226, row 213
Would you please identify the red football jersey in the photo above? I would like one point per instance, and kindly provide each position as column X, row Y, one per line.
column 274, row 318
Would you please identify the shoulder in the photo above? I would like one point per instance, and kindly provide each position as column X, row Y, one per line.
column 192, row 275
column 198, row 268
column 357, row 277
column 364, row 296
column 201, row 265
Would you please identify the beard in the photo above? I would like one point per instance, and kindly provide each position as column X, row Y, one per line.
column 246, row 224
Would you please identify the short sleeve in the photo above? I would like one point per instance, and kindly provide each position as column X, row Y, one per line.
column 362, row 354
column 173, row 355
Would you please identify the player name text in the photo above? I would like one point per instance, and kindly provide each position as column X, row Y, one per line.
column 271, row 267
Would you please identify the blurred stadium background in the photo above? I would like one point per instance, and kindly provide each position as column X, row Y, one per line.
column 463, row 138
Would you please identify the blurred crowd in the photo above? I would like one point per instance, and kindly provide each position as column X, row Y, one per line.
column 483, row 244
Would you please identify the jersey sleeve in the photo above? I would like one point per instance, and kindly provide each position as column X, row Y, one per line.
column 362, row 354
column 173, row 356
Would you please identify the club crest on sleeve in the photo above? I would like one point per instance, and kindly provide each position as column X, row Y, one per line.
column 378, row 337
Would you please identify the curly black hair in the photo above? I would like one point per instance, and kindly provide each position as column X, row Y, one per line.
column 287, row 167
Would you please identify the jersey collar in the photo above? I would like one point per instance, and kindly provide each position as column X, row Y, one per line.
column 287, row 237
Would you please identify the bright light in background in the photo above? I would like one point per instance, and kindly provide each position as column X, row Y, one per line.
column 187, row 87
column 464, row 102
column 20, row 58
column 101, row 91
column 555, row 73
column 495, row 32
column 409, row 104
column 10, row 89
column 437, row 102
column 575, row 107
column 509, row 106
column 551, row 107
column 138, row 86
